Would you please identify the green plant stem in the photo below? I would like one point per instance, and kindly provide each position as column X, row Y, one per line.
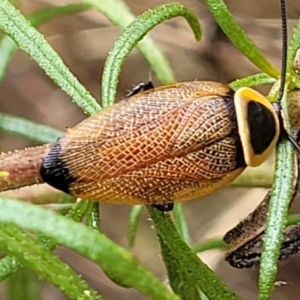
column 195, row 269
column 238, row 37
column 281, row 196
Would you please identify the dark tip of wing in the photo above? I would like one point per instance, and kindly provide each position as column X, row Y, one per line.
column 54, row 171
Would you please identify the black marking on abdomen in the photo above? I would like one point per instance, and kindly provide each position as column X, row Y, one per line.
column 54, row 171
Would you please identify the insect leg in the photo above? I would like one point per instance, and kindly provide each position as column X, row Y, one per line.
column 245, row 240
column 249, row 254
column 142, row 86
column 164, row 207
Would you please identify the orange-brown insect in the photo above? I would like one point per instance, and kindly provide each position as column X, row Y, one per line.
column 166, row 144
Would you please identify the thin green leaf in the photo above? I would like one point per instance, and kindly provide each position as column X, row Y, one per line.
column 203, row 296
column 209, row 245
column 119, row 14
column 282, row 190
column 134, row 219
column 46, row 14
column 296, row 81
column 35, row 45
column 10, row 265
column 180, row 223
column 180, row 280
column 93, row 217
column 195, row 268
column 239, row 38
column 293, row 219
column 293, row 46
column 30, row 130
column 130, row 37
column 23, row 286
column 8, row 47
column 46, row 265
column 253, row 80
column 80, row 238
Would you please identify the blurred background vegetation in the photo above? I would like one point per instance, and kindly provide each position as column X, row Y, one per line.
column 83, row 41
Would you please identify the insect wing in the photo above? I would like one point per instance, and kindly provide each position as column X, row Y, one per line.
column 153, row 146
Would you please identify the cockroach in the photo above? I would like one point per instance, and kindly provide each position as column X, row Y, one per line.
column 163, row 145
